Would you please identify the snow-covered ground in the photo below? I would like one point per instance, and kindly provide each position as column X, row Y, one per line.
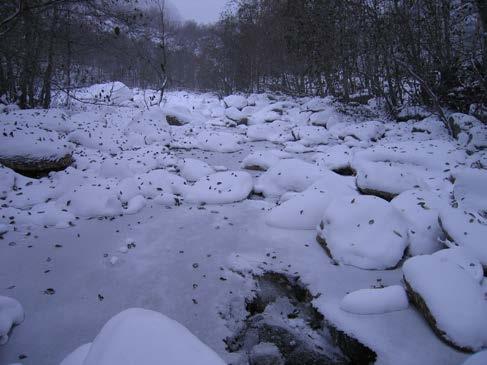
column 178, row 217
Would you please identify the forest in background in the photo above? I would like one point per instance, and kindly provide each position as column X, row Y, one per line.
column 428, row 52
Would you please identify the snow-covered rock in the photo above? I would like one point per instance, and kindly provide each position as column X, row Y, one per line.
column 112, row 93
column 375, row 301
column 220, row 188
column 192, row 169
column 219, row 141
column 11, row 314
column 310, row 135
column 469, row 189
column 421, row 209
column 461, row 257
column 264, row 159
column 139, row 336
column 334, row 157
column 177, row 115
column 450, row 299
column 236, row 115
column 364, row 231
column 304, row 210
column 236, row 101
column 277, row 131
column 465, row 229
column 287, row 175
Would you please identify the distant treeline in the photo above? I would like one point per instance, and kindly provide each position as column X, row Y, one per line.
column 430, row 52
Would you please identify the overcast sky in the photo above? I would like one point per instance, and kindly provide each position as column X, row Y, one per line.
column 202, row 11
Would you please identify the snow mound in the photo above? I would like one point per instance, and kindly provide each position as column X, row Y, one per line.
column 112, row 93
column 310, row 135
column 287, row 175
column 468, row 130
column 11, row 314
column 236, row 115
column 365, row 231
column 466, row 229
column 177, row 115
column 334, row 158
column 365, row 131
column 192, row 169
column 220, row 188
column 375, row 301
column 236, row 101
column 139, row 336
column 304, row 210
column 327, row 117
column 421, row 209
column 219, row 141
column 317, row 104
column 450, row 299
column 463, row 259
column 264, row 159
column 31, row 143
column 469, row 189
column 277, row 131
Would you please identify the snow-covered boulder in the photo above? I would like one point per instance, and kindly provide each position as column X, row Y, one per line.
column 304, row 210
column 177, row 115
column 450, row 299
column 220, row 188
column 317, row 104
column 311, row 135
column 334, row 158
column 139, row 336
column 364, row 131
column 236, row 115
column 33, row 150
column 364, row 231
column 287, row 175
column 111, row 93
column 219, row 141
column 192, row 169
column 327, row 117
column 264, row 159
column 11, row 314
column 277, row 131
column 469, row 189
column 421, row 208
column 236, row 101
column 461, row 257
column 465, row 229
column 375, row 301
column 468, row 130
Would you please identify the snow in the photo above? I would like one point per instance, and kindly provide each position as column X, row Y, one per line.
column 11, row 314
column 469, row 189
column 480, row 358
column 162, row 217
column 375, row 301
column 192, row 169
column 466, row 229
column 454, row 298
column 365, row 232
column 304, row 210
column 112, row 93
column 421, row 210
column 139, row 336
column 32, row 143
column 235, row 101
column 235, row 114
column 219, row 141
column 287, row 175
column 264, row 159
column 220, row 188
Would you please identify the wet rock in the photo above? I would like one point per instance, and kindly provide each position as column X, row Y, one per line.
column 265, row 354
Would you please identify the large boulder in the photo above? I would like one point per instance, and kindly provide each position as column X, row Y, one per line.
column 237, row 101
column 363, row 231
column 450, row 299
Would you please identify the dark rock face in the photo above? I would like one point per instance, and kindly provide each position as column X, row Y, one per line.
column 381, row 194
column 422, row 307
column 281, row 314
column 36, row 168
column 173, row 120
